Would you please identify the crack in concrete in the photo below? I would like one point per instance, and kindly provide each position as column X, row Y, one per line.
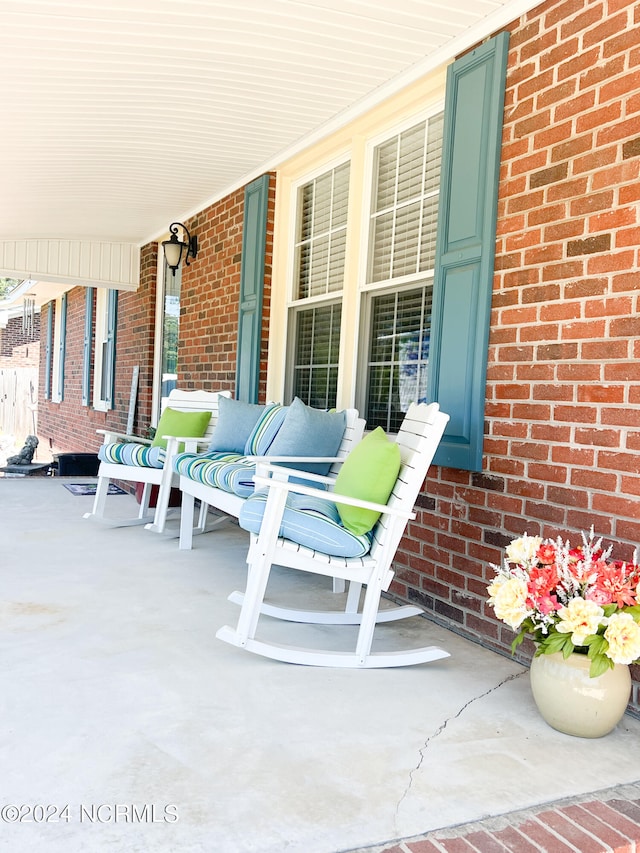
column 444, row 725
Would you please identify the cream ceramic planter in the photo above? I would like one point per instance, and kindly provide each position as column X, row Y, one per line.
column 572, row 702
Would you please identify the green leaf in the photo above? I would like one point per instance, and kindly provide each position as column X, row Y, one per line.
column 526, row 627
column 555, row 643
column 599, row 665
column 597, row 646
column 518, row 639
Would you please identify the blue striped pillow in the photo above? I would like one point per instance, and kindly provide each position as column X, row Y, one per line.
column 265, row 430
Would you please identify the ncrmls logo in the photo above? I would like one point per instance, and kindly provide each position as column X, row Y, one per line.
column 128, row 813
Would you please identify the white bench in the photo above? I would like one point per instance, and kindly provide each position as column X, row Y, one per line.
column 230, row 504
column 162, row 477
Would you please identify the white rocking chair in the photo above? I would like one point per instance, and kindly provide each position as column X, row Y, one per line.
column 417, row 439
column 164, row 477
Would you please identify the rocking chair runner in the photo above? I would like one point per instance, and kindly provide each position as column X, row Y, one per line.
column 417, row 440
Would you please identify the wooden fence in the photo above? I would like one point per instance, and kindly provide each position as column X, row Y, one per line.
column 18, row 402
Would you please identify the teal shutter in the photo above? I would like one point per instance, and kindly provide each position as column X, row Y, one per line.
column 62, row 346
column 465, row 248
column 86, row 347
column 110, row 355
column 254, row 236
column 48, row 353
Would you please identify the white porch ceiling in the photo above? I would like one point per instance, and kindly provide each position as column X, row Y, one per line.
column 120, row 117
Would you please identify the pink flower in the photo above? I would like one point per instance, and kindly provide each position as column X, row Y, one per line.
column 546, row 553
column 613, row 585
column 542, row 583
column 547, row 604
column 600, row 596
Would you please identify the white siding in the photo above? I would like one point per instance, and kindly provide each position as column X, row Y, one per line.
column 75, row 262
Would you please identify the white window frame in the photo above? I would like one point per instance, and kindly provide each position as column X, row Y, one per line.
column 161, row 271
column 295, row 304
column 57, row 367
column 99, row 343
column 368, row 290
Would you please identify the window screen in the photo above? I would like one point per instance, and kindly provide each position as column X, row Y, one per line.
column 321, row 237
column 317, row 344
column 405, row 202
column 398, row 355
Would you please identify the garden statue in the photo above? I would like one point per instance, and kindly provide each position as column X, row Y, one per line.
column 26, row 454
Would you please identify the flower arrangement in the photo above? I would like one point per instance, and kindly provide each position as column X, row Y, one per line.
column 570, row 599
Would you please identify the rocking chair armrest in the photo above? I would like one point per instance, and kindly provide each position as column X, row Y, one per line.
column 191, row 444
column 266, row 469
column 300, row 489
column 268, row 460
column 111, row 436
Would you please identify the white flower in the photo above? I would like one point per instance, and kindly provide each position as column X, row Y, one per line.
column 509, row 598
column 523, row 550
column 623, row 636
column 579, row 618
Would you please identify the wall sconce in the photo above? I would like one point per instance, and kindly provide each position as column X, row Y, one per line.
column 174, row 248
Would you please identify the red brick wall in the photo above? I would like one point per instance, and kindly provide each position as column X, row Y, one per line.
column 18, row 349
column 209, row 308
column 562, row 444
column 209, row 297
column 68, row 426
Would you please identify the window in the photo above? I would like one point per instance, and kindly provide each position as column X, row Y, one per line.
column 408, row 278
column 105, row 349
column 55, row 346
column 322, row 230
column 398, row 354
column 399, row 286
column 404, row 212
column 48, row 353
column 58, row 349
column 86, row 345
column 170, row 328
column 317, row 342
column 321, row 227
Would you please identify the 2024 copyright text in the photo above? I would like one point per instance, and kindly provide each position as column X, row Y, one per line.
column 93, row 813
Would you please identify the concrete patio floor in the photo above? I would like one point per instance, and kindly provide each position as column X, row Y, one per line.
column 116, row 695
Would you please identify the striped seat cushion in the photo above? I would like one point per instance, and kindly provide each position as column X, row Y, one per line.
column 230, row 472
column 309, row 521
column 130, row 453
column 237, row 477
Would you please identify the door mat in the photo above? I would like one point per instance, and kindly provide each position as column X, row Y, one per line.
column 90, row 489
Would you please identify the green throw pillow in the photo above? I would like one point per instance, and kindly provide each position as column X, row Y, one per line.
column 175, row 422
column 369, row 473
